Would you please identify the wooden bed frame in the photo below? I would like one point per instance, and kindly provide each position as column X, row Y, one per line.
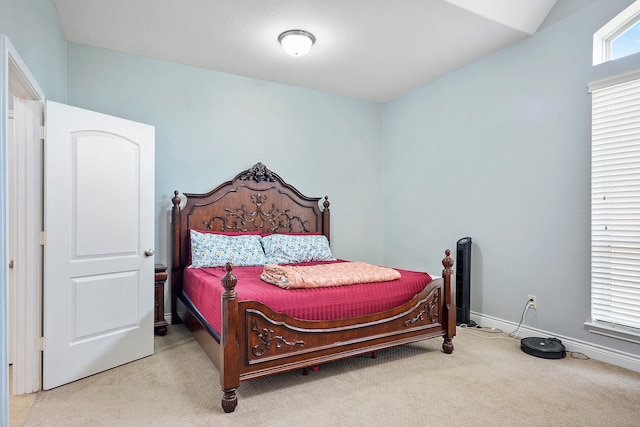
column 256, row 341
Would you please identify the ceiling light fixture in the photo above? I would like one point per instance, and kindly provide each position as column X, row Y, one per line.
column 296, row 42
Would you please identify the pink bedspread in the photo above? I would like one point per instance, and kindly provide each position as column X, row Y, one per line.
column 326, row 274
column 203, row 287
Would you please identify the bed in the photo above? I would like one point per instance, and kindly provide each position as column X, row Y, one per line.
column 250, row 334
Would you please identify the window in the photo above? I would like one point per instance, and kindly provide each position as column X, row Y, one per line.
column 626, row 43
column 620, row 37
column 615, row 207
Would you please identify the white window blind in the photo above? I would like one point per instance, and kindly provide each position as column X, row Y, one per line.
column 615, row 204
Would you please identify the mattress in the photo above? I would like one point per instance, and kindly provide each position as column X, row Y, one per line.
column 203, row 288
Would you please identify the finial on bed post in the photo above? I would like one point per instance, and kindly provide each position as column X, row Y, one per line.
column 447, row 263
column 229, row 281
column 450, row 307
column 176, row 199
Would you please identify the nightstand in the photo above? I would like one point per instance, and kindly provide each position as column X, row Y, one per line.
column 160, row 325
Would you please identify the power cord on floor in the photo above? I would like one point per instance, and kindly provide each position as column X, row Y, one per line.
column 513, row 334
column 488, row 330
column 485, row 332
column 576, row 355
column 479, row 328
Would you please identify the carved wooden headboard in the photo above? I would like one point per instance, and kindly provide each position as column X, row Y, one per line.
column 256, row 199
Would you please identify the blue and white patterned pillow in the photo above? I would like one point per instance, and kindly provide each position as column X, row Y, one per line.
column 215, row 250
column 292, row 249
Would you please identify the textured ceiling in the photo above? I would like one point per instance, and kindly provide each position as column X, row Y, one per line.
column 370, row 49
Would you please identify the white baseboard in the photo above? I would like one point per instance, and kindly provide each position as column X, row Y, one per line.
column 597, row 352
column 594, row 351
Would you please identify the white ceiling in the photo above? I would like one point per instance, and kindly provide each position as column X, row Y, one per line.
column 375, row 50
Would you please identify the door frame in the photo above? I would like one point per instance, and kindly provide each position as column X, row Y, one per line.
column 14, row 74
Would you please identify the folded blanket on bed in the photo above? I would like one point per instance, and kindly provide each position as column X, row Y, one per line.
column 326, row 275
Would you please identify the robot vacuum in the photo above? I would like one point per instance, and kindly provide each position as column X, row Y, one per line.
column 547, row 348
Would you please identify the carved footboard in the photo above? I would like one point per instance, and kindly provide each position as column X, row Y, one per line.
column 269, row 342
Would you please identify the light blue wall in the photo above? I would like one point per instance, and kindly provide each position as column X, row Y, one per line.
column 34, row 30
column 500, row 151
column 212, row 125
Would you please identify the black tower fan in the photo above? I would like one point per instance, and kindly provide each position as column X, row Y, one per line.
column 463, row 283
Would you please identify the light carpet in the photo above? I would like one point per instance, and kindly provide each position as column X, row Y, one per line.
column 486, row 381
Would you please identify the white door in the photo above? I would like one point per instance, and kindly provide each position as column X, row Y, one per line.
column 99, row 239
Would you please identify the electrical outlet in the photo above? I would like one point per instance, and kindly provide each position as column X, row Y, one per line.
column 534, row 301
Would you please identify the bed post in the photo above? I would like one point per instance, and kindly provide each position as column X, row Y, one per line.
column 176, row 246
column 229, row 345
column 325, row 218
column 450, row 307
